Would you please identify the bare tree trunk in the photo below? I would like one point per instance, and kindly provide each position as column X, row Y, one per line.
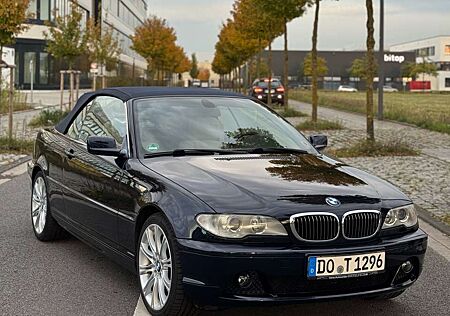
column 269, row 85
column 315, row 97
column 370, row 70
column 11, row 102
column 61, row 87
column 286, row 67
column 258, row 59
column 1, row 75
column 71, row 95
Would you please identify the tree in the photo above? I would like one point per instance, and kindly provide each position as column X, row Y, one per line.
column 66, row 38
column 423, row 68
column 155, row 40
column 13, row 14
column 322, row 68
column 194, row 70
column 103, row 46
column 315, row 97
column 286, row 11
column 204, row 74
column 370, row 70
column 359, row 68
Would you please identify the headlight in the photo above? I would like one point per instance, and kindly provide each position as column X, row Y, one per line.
column 239, row 226
column 401, row 216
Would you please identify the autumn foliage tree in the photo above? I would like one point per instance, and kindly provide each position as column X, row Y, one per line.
column 13, row 14
column 285, row 11
column 155, row 40
column 204, row 74
column 254, row 25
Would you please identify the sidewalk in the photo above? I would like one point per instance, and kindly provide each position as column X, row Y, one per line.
column 48, row 97
column 425, row 178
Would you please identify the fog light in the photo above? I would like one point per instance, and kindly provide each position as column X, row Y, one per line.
column 259, row 96
column 244, row 280
column 280, row 96
column 407, row 266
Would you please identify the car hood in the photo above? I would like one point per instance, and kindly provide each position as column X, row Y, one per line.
column 268, row 184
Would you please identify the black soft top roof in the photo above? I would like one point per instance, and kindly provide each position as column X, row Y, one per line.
column 128, row 93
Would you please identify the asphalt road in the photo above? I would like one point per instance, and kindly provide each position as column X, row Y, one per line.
column 70, row 278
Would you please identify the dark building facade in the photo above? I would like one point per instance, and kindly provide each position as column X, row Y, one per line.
column 339, row 64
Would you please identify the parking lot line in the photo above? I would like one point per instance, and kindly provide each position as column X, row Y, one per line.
column 140, row 309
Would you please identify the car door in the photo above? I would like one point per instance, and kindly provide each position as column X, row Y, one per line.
column 92, row 182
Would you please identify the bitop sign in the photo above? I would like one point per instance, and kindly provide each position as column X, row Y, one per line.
column 392, row 58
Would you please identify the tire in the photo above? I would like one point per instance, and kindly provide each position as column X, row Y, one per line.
column 388, row 296
column 44, row 225
column 172, row 301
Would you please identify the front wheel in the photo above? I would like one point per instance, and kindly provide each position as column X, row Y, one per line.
column 45, row 226
column 159, row 267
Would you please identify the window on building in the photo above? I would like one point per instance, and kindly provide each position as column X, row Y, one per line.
column 447, row 49
column 426, row 51
column 44, row 10
column 43, row 68
column 28, row 58
column 447, row 82
column 32, row 9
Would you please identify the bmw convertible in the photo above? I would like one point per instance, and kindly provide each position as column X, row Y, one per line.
column 213, row 200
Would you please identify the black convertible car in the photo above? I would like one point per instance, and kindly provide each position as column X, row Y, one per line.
column 212, row 199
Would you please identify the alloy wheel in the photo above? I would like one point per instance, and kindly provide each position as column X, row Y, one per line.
column 155, row 267
column 39, row 205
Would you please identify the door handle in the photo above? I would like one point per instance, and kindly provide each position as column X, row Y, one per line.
column 70, row 153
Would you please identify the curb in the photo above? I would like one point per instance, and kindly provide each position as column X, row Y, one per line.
column 432, row 220
column 14, row 164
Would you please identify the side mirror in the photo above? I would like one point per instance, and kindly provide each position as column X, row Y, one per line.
column 103, row 146
column 319, row 142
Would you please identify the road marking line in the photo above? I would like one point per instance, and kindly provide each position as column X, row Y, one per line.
column 140, row 309
column 4, row 181
column 12, row 173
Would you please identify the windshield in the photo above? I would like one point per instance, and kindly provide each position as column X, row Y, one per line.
column 168, row 124
column 264, row 84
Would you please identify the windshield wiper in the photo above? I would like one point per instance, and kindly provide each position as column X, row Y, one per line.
column 193, row 152
column 276, row 150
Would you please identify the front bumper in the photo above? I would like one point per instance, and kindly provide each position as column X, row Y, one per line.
column 211, row 270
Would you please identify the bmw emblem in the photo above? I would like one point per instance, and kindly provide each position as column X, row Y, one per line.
column 331, row 201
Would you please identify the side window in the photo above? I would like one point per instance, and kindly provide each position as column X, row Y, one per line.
column 104, row 116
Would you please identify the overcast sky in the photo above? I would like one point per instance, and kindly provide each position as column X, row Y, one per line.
column 342, row 24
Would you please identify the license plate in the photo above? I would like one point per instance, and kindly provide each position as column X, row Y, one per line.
column 345, row 266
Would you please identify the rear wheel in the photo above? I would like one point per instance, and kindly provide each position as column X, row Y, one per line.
column 159, row 267
column 44, row 225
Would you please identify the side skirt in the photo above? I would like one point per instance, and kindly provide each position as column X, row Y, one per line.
column 123, row 259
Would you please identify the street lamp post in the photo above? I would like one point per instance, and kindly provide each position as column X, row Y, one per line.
column 381, row 64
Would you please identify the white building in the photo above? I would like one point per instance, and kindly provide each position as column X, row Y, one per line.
column 436, row 50
column 30, row 46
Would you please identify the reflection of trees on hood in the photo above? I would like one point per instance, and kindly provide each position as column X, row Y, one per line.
column 309, row 168
column 250, row 138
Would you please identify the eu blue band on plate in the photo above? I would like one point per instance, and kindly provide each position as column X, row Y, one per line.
column 312, row 266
